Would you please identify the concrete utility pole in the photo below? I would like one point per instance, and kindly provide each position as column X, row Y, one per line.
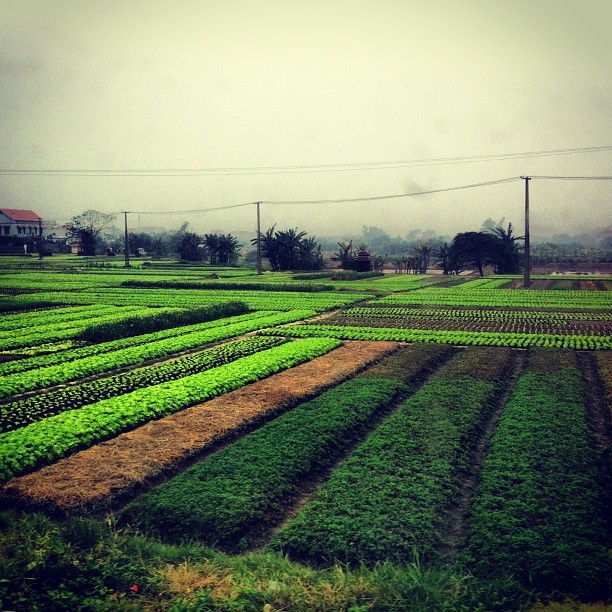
column 126, row 246
column 258, row 240
column 40, row 239
column 527, row 262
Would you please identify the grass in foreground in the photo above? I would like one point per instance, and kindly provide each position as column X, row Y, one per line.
column 88, row 564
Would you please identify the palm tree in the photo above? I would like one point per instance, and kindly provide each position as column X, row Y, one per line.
column 508, row 257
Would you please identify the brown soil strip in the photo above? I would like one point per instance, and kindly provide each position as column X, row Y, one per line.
column 454, row 533
column 102, row 473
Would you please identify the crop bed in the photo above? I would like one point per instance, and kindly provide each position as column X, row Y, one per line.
column 133, row 458
column 48, row 440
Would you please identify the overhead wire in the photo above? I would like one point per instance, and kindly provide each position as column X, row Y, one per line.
column 300, row 168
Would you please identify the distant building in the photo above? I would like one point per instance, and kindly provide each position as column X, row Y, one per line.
column 19, row 223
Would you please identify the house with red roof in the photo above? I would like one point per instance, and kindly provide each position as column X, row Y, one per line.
column 19, row 223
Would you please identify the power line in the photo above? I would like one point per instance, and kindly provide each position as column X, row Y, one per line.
column 332, row 201
column 396, row 195
column 574, row 178
column 291, row 169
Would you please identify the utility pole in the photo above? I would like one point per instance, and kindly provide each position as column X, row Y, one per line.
column 126, row 246
column 40, row 239
column 527, row 261
column 258, row 240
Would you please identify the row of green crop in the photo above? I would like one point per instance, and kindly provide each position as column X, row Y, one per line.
column 43, row 361
column 515, row 298
column 56, row 436
column 387, row 499
column 100, row 363
column 466, row 338
column 537, row 513
column 68, row 330
column 192, row 298
column 481, row 314
column 52, row 316
column 222, row 497
column 160, row 319
column 227, row 285
column 34, row 408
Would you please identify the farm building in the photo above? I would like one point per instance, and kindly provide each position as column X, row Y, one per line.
column 19, row 222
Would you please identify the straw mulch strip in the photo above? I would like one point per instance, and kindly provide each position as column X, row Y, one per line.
column 95, row 476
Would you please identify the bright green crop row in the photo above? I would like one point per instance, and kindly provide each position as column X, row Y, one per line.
column 34, row 408
column 23, row 365
column 543, row 316
column 537, row 513
column 515, row 298
column 54, row 437
column 52, row 316
column 69, row 330
column 387, row 498
column 466, row 338
column 186, row 298
column 97, row 364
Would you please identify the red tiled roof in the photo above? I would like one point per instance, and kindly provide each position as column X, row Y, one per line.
column 17, row 214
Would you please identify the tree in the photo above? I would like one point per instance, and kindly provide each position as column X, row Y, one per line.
column 86, row 228
column 471, row 249
column 222, row 249
column 508, row 256
column 290, row 250
column 497, row 248
column 190, row 246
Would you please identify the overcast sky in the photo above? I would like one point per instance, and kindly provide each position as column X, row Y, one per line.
column 194, row 85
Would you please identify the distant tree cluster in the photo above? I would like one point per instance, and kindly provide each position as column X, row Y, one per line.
column 290, row 250
column 496, row 247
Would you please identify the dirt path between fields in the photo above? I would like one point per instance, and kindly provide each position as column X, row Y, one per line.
column 127, row 464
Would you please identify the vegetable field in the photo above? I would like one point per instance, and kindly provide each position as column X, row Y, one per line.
column 426, row 445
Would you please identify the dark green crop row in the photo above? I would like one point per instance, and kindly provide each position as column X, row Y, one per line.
column 537, row 513
column 23, row 365
column 54, row 437
column 387, row 499
column 224, row 495
column 31, row 409
column 98, row 364
column 156, row 321
column 457, row 337
column 227, row 285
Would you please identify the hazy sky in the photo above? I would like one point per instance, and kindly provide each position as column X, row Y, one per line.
column 179, row 84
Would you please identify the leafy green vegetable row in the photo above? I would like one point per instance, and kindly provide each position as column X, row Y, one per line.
column 189, row 298
column 537, row 513
column 160, row 319
column 510, row 298
column 31, row 409
column 98, row 364
column 467, row 338
column 56, row 436
column 12, row 367
column 542, row 316
column 224, row 495
column 52, row 316
column 387, row 499
column 62, row 331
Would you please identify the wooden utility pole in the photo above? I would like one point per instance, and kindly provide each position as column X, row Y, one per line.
column 527, row 261
column 258, row 240
column 126, row 246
